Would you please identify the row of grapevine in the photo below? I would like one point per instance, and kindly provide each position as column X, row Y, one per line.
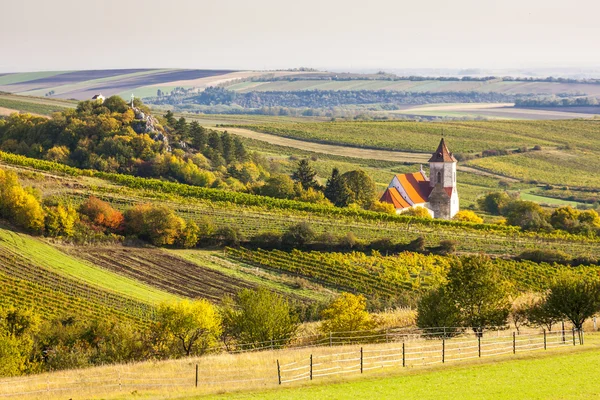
column 383, row 276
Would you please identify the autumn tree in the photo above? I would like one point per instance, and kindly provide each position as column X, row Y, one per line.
column 102, row 213
column 157, row 224
column 190, row 326
column 574, row 297
column 348, row 312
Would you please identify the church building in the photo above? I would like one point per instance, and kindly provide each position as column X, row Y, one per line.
column 436, row 193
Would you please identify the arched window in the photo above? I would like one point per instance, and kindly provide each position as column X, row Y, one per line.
column 439, row 177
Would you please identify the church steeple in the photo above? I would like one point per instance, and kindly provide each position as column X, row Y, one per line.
column 442, row 154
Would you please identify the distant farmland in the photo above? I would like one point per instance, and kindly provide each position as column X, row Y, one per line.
column 509, row 87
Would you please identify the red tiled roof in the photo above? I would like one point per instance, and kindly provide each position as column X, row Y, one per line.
column 392, row 196
column 416, row 187
column 442, row 154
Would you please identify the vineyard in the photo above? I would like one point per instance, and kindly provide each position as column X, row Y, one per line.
column 53, row 294
column 463, row 137
column 573, row 168
column 400, row 276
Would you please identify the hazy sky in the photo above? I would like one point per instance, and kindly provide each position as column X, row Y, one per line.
column 268, row 34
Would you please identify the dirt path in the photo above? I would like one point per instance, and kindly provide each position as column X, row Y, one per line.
column 355, row 152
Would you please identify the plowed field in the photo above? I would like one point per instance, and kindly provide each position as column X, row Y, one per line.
column 163, row 270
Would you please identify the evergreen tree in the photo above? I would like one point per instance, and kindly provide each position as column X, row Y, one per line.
column 305, row 174
column 228, row 147
column 240, row 151
column 336, row 190
column 214, row 142
column 171, row 121
column 182, row 128
column 198, row 135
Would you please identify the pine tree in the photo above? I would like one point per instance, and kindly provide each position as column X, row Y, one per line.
column 214, row 142
column 240, row 151
column 198, row 135
column 305, row 174
column 336, row 190
column 228, row 147
column 171, row 121
column 182, row 128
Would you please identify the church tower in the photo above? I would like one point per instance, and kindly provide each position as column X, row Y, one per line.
column 443, row 200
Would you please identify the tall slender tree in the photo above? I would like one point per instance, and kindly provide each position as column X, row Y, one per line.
column 305, row 174
column 336, row 190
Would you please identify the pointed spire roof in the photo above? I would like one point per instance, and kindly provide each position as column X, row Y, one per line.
column 442, row 154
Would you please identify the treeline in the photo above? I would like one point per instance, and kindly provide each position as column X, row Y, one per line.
column 530, row 216
column 554, row 101
column 330, row 98
column 477, row 297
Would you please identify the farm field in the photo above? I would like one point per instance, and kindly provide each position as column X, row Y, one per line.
column 419, row 86
column 462, row 137
column 564, row 168
column 495, row 111
column 33, row 105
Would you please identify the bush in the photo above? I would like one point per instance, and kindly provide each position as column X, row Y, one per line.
column 419, row 212
column 435, row 309
column 188, row 327
column 228, row 236
column 468, row 216
column 548, row 256
column 447, row 247
column 266, row 240
column 259, row 318
column 494, row 203
column 298, row 235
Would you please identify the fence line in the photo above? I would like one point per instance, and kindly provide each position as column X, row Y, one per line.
column 410, row 355
column 404, row 350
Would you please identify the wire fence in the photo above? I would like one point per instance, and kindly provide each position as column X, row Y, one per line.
column 334, row 354
column 436, row 349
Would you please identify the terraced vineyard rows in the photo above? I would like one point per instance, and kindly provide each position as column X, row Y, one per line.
column 55, row 294
column 164, row 270
column 374, row 275
column 390, row 276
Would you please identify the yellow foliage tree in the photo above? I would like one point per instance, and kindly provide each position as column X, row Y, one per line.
column 383, row 207
column 347, row 313
column 18, row 205
column 468, row 216
column 420, row 212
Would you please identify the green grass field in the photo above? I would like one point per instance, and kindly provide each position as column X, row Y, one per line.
column 564, row 376
column 34, row 105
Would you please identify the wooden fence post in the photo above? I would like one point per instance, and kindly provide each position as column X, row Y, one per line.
column 545, row 345
column 361, row 360
column 403, row 355
column 479, row 344
column 196, row 375
column 278, row 372
column 311, row 367
column 563, row 332
column 443, row 350
column 514, row 343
